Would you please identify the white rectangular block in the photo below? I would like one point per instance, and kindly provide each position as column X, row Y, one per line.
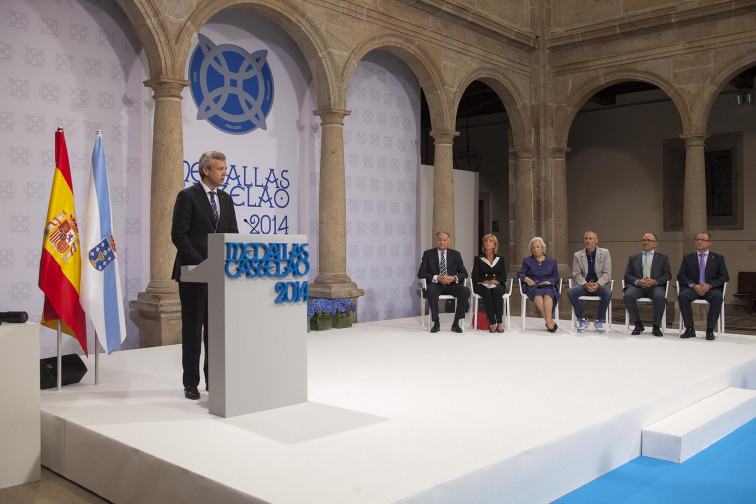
column 685, row 433
column 20, row 443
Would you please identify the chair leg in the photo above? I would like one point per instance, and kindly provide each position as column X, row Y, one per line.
column 522, row 311
column 506, row 307
column 609, row 318
column 573, row 325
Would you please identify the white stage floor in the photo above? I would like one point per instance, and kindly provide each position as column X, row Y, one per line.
column 396, row 414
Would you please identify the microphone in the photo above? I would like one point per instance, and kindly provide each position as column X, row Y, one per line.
column 15, row 317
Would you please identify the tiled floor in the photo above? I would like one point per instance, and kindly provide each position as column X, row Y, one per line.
column 53, row 489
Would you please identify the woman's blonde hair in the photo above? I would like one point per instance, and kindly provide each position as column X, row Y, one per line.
column 495, row 240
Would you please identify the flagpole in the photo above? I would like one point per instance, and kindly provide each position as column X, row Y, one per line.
column 60, row 358
column 97, row 361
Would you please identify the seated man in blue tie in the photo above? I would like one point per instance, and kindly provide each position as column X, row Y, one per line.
column 702, row 276
column 444, row 273
column 646, row 275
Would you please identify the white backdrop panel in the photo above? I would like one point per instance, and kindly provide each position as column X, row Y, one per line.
column 267, row 167
column 77, row 65
column 381, row 138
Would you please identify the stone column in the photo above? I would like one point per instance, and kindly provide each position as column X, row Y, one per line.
column 159, row 307
column 694, row 199
column 332, row 280
column 443, row 183
column 524, row 204
column 557, row 208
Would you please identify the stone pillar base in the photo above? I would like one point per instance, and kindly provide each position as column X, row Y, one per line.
column 318, row 289
column 159, row 318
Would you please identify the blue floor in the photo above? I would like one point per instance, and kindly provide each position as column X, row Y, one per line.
column 723, row 473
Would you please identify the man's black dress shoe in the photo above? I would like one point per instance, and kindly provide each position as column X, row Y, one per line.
column 191, row 392
column 455, row 327
column 639, row 328
column 690, row 332
column 656, row 331
column 709, row 334
column 436, row 327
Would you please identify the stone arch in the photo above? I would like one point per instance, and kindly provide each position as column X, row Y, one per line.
column 720, row 77
column 514, row 102
column 419, row 61
column 150, row 27
column 302, row 29
column 565, row 113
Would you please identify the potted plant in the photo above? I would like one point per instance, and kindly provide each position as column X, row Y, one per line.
column 319, row 311
column 342, row 313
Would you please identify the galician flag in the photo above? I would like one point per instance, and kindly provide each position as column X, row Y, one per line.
column 100, row 282
column 60, row 265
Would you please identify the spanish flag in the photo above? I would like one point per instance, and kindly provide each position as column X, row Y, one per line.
column 60, row 266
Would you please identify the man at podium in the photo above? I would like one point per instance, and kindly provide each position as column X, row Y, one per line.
column 199, row 210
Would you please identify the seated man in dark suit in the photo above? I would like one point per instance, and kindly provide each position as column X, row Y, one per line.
column 444, row 273
column 702, row 276
column 646, row 275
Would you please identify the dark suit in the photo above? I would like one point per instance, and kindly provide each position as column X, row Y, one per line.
column 493, row 299
column 429, row 268
column 192, row 222
column 715, row 275
column 660, row 272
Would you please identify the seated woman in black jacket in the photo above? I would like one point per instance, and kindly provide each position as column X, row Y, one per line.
column 489, row 277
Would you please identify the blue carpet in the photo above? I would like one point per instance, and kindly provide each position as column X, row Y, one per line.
column 725, row 472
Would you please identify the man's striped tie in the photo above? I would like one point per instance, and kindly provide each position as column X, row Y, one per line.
column 443, row 264
column 214, row 207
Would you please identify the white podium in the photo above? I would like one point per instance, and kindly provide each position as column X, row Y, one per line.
column 20, row 435
column 257, row 358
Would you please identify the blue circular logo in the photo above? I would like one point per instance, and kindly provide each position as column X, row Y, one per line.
column 233, row 89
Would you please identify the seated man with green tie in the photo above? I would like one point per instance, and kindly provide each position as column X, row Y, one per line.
column 646, row 276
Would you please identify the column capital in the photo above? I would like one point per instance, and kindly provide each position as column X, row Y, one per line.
column 524, row 152
column 559, row 151
column 444, row 136
column 695, row 139
column 164, row 86
column 331, row 115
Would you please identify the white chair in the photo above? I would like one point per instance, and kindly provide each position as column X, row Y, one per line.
column 474, row 303
column 721, row 323
column 646, row 301
column 525, row 300
column 594, row 298
column 424, row 286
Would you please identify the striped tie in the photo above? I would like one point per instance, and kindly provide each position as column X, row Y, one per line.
column 214, row 207
column 443, row 264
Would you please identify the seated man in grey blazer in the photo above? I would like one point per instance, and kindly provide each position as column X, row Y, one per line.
column 592, row 274
column 646, row 275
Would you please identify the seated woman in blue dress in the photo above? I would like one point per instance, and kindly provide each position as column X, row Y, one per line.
column 489, row 277
column 541, row 278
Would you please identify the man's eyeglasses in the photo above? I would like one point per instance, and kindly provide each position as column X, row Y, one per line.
column 702, row 239
column 647, row 241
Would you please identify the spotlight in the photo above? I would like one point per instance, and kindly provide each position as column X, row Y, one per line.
column 739, row 99
column 748, row 98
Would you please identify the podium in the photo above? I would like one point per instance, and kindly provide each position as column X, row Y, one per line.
column 257, row 319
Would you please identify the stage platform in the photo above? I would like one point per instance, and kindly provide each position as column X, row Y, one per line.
column 395, row 414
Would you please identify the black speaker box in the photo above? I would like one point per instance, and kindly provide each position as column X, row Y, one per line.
column 74, row 370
